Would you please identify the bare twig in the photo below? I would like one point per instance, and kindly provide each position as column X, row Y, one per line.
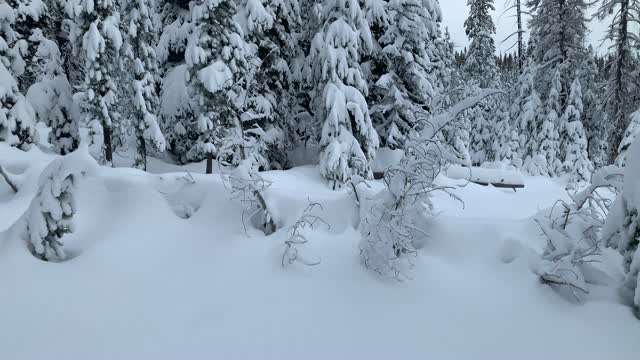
column 8, row 180
column 295, row 236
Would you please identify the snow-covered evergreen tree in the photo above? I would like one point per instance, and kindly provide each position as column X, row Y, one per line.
column 576, row 159
column 348, row 138
column 30, row 15
column 622, row 227
column 16, row 114
column 558, row 31
column 268, row 111
column 481, row 134
column 8, row 84
column 175, row 19
column 480, row 65
column 481, row 71
column 622, row 84
column 593, row 114
column 141, row 40
column 630, row 136
column 177, row 113
column 505, row 139
column 528, row 122
column 9, row 55
column 376, row 66
column 51, row 94
column 176, row 105
column 217, row 63
column 97, row 40
column 548, row 137
column 407, row 85
column 17, row 118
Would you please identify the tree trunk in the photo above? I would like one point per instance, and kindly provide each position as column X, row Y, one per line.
column 520, row 36
column 142, row 149
column 209, row 163
column 108, row 147
column 619, row 122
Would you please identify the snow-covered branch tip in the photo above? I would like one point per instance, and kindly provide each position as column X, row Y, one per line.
column 438, row 122
column 295, row 236
column 8, row 180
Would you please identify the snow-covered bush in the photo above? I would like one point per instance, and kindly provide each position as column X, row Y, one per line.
column 573, row 230
column 622, row 228
column 50, row 215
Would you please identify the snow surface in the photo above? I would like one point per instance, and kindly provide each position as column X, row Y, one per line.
column 144, row 283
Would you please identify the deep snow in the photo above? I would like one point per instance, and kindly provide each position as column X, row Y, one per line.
column 144, row 283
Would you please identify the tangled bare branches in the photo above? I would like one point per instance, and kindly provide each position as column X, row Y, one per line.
column 296, row 236
column 248, row 186
column 391, row 220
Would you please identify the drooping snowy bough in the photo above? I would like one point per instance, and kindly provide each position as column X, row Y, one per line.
column 50, row 214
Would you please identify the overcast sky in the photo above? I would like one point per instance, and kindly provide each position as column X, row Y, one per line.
column 455, row 12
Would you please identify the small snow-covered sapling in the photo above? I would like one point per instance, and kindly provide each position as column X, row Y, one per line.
column 49, row 217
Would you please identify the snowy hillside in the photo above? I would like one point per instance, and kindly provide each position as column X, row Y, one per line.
column 142, row 282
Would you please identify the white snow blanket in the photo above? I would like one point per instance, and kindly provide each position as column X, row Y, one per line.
column 386, row 158
column 161, row 266
column 486, row 176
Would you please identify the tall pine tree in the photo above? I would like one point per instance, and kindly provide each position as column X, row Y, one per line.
column 98, row 40
column 217, row 66
column 348, row 138
column 141, row 41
